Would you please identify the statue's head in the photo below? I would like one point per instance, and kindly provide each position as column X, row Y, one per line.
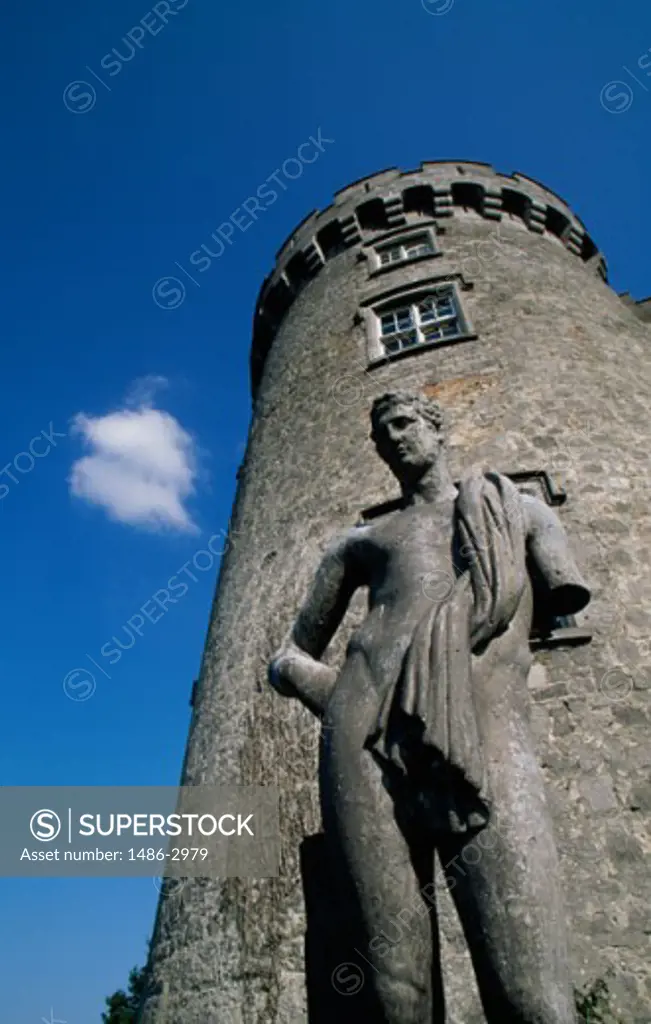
column 408, row 432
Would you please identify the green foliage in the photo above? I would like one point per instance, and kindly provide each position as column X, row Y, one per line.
column 593, row 1005
column 122, row 1007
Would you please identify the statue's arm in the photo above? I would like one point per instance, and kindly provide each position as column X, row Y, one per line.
column 549, row 549
column 296, row 669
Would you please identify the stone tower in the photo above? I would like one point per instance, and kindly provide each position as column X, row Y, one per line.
column 485, row 291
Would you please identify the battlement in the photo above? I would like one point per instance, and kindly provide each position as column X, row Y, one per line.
column 384, row 201
column 641, row 307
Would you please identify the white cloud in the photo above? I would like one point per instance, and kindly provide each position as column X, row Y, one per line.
column 140, row 468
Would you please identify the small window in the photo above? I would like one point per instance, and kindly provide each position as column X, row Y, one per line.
column 392, row 254
column 405, row 249
column 435, row 316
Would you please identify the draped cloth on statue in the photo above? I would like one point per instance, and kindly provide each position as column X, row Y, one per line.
column 427, row 727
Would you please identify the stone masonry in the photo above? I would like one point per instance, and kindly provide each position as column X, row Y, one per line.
column 553, row 373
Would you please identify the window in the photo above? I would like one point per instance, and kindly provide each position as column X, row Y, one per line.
column 432, row 317
column 405, row 249
column 392, row 254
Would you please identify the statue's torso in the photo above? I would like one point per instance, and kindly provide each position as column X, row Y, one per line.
column 397, row 555
column 407, row 561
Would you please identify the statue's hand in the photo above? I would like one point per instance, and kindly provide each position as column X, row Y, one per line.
column 293, row 673
column 278, row 678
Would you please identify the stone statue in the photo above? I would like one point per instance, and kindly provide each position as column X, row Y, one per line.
column 425, row 744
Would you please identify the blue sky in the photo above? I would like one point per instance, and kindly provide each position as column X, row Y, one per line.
column 104, row 194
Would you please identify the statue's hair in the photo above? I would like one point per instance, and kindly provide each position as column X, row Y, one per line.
column 426, row 407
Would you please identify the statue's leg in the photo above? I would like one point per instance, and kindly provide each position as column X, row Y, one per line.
column 506, row 884
column 384, row 884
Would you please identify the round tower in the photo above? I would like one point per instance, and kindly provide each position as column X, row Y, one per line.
column 486, row 291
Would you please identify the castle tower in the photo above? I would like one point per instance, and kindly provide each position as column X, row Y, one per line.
column 485, row 291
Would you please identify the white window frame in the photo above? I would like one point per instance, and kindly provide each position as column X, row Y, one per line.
column 400, row 247
column 423, row 329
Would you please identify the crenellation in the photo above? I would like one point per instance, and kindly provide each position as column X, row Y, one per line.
column 443, row 202
column 540, row 192
column 492, row 203
column 350, row 229
column 643, row 310
column 314, row 256
column 574, row 239
column 358, row 191
column 294, row 241
column 395, row 210
column 536, row 216
column 437, row 189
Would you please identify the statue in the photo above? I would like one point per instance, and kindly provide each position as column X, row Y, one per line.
column 425, row 746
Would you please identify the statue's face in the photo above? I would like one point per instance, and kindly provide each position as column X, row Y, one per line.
column 408, row 443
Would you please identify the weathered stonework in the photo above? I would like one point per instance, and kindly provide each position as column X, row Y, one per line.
column 557, row 378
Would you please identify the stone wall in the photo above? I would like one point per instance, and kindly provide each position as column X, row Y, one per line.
column 558, row 378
